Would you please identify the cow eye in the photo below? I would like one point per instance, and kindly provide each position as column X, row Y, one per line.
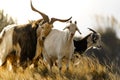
column 96, row 38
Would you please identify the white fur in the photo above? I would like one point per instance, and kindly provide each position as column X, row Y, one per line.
column 59, row 44
column 6, row 45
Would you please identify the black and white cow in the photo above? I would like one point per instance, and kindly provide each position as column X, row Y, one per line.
column 91, row 40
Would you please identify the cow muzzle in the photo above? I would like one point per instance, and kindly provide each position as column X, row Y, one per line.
column 43, row 38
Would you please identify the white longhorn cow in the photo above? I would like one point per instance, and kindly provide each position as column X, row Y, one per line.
column 59, row 44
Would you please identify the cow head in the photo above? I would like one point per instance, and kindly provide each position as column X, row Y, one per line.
column 72, row 28
column 46, row 24
column 95, row 39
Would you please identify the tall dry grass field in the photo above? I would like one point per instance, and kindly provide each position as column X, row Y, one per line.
column 83, row 68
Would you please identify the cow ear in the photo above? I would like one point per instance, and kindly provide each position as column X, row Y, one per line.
column 93, row 36
column 70, row 21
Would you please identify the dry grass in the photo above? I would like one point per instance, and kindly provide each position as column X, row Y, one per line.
column 85, row 68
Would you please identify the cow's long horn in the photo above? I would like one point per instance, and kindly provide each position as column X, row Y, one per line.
column 92, row 30
column 61, row 20
column 45, row 17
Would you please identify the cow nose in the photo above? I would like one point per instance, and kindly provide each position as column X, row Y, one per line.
column 99, row 46
column 43, row 38
column 72, row 34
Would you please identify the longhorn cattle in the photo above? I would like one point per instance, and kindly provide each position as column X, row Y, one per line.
column 91, row 40
column 59, row 44
column 23, row 38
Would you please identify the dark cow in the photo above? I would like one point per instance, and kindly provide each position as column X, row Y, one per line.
column 91, row 40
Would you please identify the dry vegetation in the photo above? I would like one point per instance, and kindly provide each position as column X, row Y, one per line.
column 87, row 69
column 5, row 20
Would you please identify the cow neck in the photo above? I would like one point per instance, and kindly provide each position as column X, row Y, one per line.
column 69, row 38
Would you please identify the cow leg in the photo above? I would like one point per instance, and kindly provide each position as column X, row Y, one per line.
column 60, row 64
column 48, row 60
column 68, row 60
column 18, row 51
column 51, row 64
column 67, row 63
column 38, row 49
column 9, row 60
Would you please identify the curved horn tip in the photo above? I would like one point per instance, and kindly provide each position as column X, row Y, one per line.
column 70, row 17
column 31, row 5
column 45, row 17
column 61, row 20
column 89, row 28
column 92, row 30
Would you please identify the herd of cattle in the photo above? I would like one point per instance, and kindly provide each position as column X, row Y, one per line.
column 28, row 42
